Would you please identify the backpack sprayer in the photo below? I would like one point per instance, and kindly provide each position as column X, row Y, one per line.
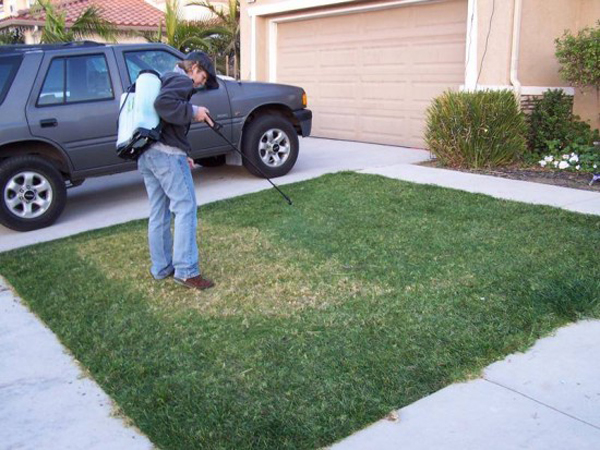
column 139, row 125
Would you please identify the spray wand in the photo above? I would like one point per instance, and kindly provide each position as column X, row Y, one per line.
column 217, row 129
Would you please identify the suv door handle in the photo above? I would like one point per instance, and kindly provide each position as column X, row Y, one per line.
column 46, row 123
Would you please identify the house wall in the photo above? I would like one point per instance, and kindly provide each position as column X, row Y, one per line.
column 12, row 7
column 542, row 22
column 494, row 41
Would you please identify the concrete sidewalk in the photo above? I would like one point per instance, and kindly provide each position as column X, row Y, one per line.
column 576, row 200
column 548, row 398
column 46, row 400
column 545, row 399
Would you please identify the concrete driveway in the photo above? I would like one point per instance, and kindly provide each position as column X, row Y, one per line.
column 114, row 199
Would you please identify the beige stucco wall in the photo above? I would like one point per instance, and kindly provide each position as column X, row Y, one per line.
column 493, row 65
column 543, row 21
column 12, row 7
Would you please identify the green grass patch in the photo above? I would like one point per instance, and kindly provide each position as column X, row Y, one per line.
column 366, row 295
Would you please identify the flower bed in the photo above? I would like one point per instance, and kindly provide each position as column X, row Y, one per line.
column 565, row 178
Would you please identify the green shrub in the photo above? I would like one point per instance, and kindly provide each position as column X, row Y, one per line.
column 554, row 129
column 579, row 57
column 550, row 120
column 476, row 129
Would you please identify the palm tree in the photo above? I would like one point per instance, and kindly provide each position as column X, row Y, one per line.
column 89, row 22
column 230, row 20
column 185, row 35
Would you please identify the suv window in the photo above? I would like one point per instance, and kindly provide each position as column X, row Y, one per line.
column 8, row 69
column 76, row 79
column 158, row 60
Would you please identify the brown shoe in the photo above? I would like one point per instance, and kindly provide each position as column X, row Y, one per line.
column 196, row 282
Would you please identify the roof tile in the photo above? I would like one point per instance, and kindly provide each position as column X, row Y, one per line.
column 121, row 13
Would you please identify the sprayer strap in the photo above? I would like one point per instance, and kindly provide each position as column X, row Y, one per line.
column 129, row 90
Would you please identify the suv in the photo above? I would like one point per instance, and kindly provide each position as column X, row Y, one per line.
column 58, row 122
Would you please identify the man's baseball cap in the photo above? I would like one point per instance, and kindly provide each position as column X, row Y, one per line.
column 204, row 60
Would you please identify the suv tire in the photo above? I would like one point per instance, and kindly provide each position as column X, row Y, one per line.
column 271, row 143
column 32, row 193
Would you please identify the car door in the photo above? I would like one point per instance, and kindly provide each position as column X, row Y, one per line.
column 74, row 104
column 202, row 139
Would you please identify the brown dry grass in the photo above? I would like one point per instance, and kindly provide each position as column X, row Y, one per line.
column 254, row 275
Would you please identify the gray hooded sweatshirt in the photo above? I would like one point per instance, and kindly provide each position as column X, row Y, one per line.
column 175, row 110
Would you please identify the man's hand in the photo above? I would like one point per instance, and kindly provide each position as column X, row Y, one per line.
column 202, row 115
column 191, row 163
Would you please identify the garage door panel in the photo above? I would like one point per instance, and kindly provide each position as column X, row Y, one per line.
column 389, row 21
column 333, row 105
column 338, row 58
column 384, row 108
column 441, row 14
column 371, row 76
column 426, row 91
column 339, row 122
column 337, row 91
column 440, row 54
column 388, row 91
column 386, row 55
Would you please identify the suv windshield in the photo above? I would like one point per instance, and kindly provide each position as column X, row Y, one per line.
column 8, row 69
column 158, row 60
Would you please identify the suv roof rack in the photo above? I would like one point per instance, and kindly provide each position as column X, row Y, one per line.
column 15, row 48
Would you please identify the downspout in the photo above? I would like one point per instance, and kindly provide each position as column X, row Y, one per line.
column 514, row 58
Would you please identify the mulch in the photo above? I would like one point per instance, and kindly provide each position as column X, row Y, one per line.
column 536, row 175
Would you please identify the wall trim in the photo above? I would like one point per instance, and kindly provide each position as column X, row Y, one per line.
column 471, row 46
column 253, row 66
column 539, row 90
column 273, row 51
column 291, row 5
column 525, row 90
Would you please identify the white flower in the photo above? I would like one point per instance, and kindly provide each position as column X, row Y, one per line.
column 573, row 154
column 549, row 158
column 563, row 165
column 578, row 167
column 555, row 163
column 574, row 158
column 595, row 166
column 542, row 163
column 565, row 157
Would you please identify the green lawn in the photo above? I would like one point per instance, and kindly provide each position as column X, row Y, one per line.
column 366, row 295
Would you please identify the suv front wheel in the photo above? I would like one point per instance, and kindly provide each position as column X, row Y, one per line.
column 32, row 193
column 271, row 143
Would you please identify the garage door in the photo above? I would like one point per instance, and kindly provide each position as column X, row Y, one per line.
column 370, row 76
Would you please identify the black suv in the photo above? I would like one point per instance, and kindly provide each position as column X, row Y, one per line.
column 58, row 121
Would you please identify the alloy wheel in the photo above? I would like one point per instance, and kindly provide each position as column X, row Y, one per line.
column 28, row 194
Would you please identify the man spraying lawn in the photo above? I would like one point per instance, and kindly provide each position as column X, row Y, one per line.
column 166, row 168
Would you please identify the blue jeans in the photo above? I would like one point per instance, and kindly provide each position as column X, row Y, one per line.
column 170, row 188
